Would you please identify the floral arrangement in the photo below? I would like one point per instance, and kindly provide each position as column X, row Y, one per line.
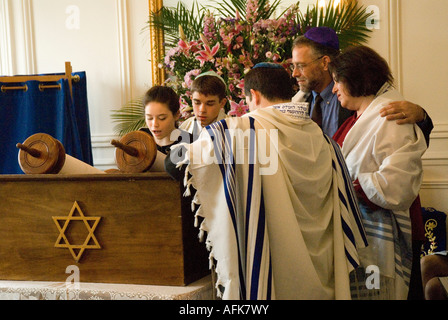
column 231, row 47
column 242, row 34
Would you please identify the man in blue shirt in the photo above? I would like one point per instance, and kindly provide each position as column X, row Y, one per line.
column 311, row 56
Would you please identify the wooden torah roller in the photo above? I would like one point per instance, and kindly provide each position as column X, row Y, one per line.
column 136, row 152
column 43, row 154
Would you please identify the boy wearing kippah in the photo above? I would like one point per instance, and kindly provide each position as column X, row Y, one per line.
column 271, row 195
column 209, row 98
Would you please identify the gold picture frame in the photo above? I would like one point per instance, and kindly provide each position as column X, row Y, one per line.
column 156, row 38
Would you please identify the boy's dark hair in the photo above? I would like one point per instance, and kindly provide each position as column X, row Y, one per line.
column 164, row 95
column 209, row 86
column 272, row 83
column 362, row 70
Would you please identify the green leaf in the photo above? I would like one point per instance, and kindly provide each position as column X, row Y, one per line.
column 169, row 19
column 349, row 21
column 129, row 118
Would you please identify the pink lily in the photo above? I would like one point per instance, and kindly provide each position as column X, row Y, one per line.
column 207, row 54
column 184, row 47
column 238, row 109
column 240, row 85
column 183, row 44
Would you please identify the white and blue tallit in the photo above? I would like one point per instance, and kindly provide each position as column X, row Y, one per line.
column 386, row 159
column 278, row 209
column 192, row 126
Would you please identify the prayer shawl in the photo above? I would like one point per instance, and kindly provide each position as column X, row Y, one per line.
column 301, row 96
column 386, row 159
column 277, row 205
column 192, row 126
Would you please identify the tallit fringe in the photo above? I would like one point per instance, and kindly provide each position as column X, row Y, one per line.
column 196, row 204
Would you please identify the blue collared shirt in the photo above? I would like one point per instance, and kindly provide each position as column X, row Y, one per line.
column 330, row 110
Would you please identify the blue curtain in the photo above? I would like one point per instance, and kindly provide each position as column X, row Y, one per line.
column 51, row 111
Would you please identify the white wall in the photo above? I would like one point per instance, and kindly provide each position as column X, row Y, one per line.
column 425, row 79
column 104, row 38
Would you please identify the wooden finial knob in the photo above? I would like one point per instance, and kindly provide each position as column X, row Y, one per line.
column 136, row 152
column 41, row 154
column 126, row 148
column 33, row 152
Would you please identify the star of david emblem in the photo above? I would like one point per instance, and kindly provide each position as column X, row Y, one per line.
column 90, row 223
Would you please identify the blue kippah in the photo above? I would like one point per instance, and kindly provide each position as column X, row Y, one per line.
column 323, row 35
column 269, row 65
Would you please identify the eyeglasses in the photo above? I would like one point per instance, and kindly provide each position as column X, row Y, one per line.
column 302, row 66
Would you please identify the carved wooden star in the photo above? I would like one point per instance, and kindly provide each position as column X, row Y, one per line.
column 63, row 242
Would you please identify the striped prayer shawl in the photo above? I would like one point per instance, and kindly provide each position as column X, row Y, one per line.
column 391, row 233
column 384, row 226
column 255, row 269
column 248, row 222
column 351, row 219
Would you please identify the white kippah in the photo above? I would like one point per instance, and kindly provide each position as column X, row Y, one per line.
column 212, row 74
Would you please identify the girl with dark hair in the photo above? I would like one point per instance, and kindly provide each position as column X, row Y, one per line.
column 161, row 114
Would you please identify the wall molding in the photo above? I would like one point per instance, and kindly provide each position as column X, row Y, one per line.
column 5, row 39
column 102, row 141
column 440, row 131
column 395, row 61
column 104, row 150
column 435, row 184
column 437, row 160
column 439, row 137
column 17, row 49
column 28, row 39
column 124, row 47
